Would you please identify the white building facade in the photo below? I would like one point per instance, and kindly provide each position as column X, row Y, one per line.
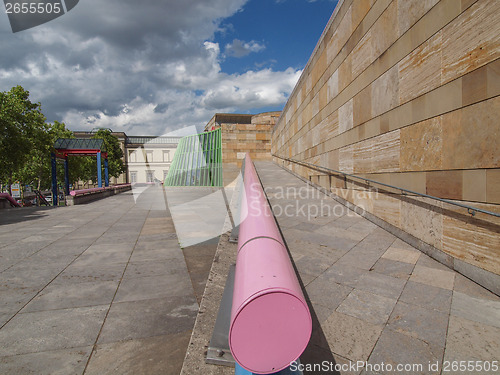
column 148, row 158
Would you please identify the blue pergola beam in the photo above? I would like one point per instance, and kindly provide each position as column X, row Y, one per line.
column 106, row 172
column 66, row 175
column 54, row 178
column 99, row 174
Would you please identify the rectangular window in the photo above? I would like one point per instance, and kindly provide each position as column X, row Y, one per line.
column 165, row 174
column 150, row 176
column 166, row 155
column 131, row 156
column 149, row 156
column 133, row 177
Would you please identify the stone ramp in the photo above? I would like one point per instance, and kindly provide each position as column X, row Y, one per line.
column 98, row 288
column 376, row 301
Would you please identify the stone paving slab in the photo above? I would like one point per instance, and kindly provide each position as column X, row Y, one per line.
column 373, row 297
column 96, row 288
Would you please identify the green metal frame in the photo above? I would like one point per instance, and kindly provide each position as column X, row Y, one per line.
column 197, row 161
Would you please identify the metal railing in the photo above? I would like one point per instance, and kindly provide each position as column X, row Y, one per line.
column 471, row 210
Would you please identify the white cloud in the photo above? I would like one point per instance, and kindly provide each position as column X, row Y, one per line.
column 144, row 67
column 238, row 48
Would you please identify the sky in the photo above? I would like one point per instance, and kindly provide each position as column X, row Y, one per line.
column 155, row 66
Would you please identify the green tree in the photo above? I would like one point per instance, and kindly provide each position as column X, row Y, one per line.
column 22, row 128
column 37, row 170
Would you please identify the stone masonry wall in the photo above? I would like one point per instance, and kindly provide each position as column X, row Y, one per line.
column 254, row 138
column 408, row 93
column 243, row 134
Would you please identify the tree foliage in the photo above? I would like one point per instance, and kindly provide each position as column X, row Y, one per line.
column 22, row 129
column 114, row 150
column 27, row 141
column 37, row 170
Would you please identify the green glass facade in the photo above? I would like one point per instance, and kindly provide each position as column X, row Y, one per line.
column 197, row 161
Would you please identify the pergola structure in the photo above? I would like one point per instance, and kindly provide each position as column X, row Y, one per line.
column 78, row 146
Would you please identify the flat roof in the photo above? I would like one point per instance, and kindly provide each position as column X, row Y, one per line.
column 79, row 144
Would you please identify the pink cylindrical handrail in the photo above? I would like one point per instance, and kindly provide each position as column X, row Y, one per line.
column 270, row 321
column 85, row 191
column 96, row 190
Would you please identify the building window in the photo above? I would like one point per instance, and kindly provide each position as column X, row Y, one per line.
column 131, row 156
column 149, row 156
column 133, row 177
column 150, row 176
column 166, row 155
column 165, row 174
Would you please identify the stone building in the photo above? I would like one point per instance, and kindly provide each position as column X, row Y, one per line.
column 407, row 93
column 148, row 158
column 241, row 134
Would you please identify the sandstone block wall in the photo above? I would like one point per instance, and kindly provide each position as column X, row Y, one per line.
column 407, row 92
column 243, row 134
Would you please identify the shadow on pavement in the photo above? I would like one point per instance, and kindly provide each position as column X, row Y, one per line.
column 16, row 215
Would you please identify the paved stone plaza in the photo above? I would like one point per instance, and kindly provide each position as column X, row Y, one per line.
column 96, row 288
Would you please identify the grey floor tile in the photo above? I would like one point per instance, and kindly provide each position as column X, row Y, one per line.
column 427, row 296
column 340, row 232
column 152, row 355
column 324, row 292
column 63, row 296
column 360, row 258
column 427, row 261
column 470, row 288
column 351, row 337
column 158, row 237
column 5, row 317
column 344, row 274
column 57, row 362
column 155, row 268
column 115, row 247
column 472, row 341
column 163, row 316
column 322, row 313
column 480, row 310
column 395, row 349
column 367, row 306
column 24, row 275
column 322, row 252
column 150, row 287
column 312, row 265
column 309, row 227
column 383, row 285
column 393, row 268
column 51, row 330
column 425, row 324
column 153, row 254
column 441, row 278
column 102, row 258
column 79, row 274
column 12, row 299
column 325, row 240
column 402, row 254
column 170, row 245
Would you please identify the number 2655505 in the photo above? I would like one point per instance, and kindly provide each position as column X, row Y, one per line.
column 33, row 8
